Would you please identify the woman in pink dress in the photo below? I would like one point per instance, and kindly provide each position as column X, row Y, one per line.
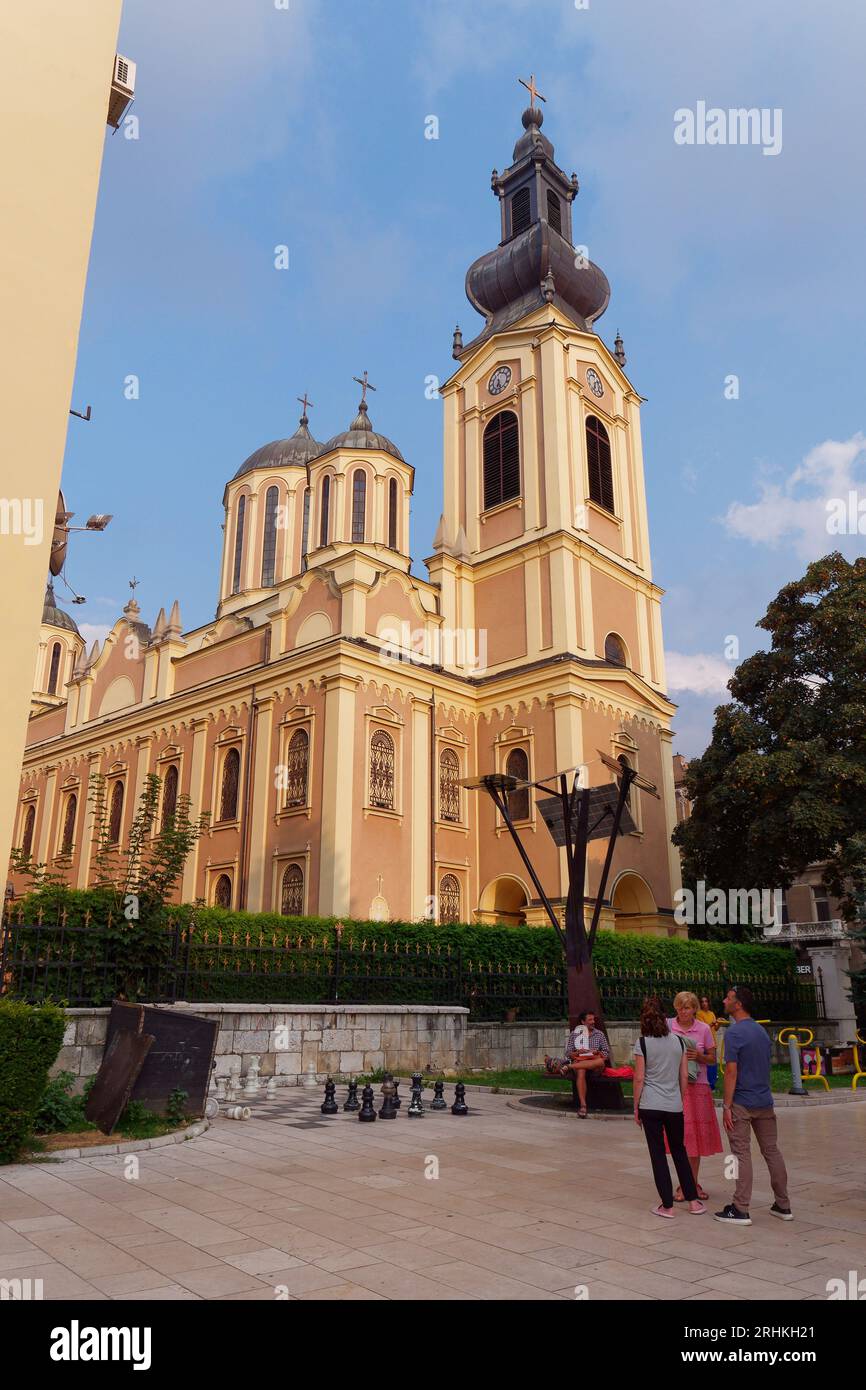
column 702, row 1135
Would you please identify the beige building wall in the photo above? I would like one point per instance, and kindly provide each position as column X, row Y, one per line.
column 56, row 62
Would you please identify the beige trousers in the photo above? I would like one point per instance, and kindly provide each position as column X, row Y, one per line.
column 763, row 1122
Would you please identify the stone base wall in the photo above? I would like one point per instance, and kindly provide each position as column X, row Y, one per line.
column 361, row 1038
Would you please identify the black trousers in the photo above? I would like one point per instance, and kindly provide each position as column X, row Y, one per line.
column 657, row 1124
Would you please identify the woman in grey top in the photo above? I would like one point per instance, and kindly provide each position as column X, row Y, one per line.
column 661, row 1075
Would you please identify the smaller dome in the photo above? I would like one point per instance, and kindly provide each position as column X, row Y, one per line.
column 532, row 119
column 295, row 452
column 361, row 435
column 54, row 616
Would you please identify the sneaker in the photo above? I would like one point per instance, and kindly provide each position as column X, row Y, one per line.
column 781, row 1212
column 734, row 1217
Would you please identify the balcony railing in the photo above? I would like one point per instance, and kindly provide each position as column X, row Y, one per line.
column 833, row 930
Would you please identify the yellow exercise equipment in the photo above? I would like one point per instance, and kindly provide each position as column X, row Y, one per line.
column 818, row 1073
column 859, row 1072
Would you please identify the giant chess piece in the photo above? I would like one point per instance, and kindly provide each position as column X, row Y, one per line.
column 389, row 1109
column 438, row 1102
column 352, row 1102
column 233, row 1088
column 416, row 1109
column 397, row 1101
column 251, row 1088
column 460, row 1107
column 367, row 1112
column 329, row 1104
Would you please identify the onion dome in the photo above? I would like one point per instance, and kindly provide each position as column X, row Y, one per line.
column 536, row 261
column 54, row 616
column 361, row 435
column 296, row 452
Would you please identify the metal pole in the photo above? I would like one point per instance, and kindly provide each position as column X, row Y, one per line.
column 797, row 1087
column 501, row 803
column 627, row 778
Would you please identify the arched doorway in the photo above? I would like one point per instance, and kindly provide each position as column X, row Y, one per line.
column 634, row 907
column 503, row 900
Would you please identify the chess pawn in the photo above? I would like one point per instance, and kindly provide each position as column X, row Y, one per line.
column 234, row 1084
column 329, row 1105
column 367, row 1112
column 351, row 1101
column 222, row 1088
column 416, row 1109
column 438, row 1102
column 389, row 1110
column 460, row 1107
column 310, row 1082
column 396, row 1101
column 271, row 1088
column 252, row 1083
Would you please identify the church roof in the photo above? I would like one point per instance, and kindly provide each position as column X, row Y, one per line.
column 296, row 452
column 361, row 435
column 54, row 616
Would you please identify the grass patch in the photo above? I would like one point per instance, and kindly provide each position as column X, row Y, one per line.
column 61, row 1122
column 533, row 1079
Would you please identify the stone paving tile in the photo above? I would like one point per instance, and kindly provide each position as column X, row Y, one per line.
column 174, row 1293
column 215, row 1281
column 301, row 1278
column 84, row 1253
column 344, row 1293
column 172, row 1256
column 58, row 1281
column 391, row 1282
column 484, row 1283
column 744, row 1287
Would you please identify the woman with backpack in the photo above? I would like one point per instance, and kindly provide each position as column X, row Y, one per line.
column 661, row 1080
column 702, row 1135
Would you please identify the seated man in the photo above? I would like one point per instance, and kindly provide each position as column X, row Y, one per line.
column 588, row 1050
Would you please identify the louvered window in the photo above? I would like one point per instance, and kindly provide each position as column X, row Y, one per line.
column 29, row 824
column 169, row 796
column 239, row 545
column 520, row 211
column 326, row 507
column 115, row 814
column 269, row 544
column 518, row 801
column 449, row 785
column 598, row 463
column 392, row 514
column 501, row 459
column 56, row 651
column 359, row 506
column 382, row 763
column 449, row 899
column 297, row 767
column 230, row 783
column 69, row 824
column 554, row 211
column 292, row 896
column 223, row 892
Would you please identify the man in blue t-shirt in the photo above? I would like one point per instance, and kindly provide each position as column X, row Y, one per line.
column 748, row 1106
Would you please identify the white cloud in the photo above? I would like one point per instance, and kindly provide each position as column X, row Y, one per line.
column 94, row 632
column 797, row 510
column 699, row 672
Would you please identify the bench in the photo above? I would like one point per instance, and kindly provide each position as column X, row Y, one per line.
column 602, row 1093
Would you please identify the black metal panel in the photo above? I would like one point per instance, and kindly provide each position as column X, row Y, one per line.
column 181, row 1057
column 602, row 808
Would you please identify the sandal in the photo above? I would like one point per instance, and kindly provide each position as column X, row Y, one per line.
column 660, row 1211
column 581, row 1114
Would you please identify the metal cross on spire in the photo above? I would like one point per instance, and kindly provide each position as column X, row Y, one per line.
column 531, row 88
column 364, row 384
column 305, row 402
column 133, row 584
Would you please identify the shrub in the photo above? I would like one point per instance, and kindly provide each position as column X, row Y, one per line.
column 58, row 1110
column 30, row 1039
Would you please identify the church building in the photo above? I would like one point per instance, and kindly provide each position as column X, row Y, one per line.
column 327, row 717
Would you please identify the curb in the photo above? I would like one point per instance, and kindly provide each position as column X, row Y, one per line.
column 128, row 1146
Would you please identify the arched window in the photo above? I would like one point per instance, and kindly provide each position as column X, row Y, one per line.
column 598, row 462
column 614, row 650
column 382, row 770
column 520, row 211
column 517, row 765
column 624, row 762
column 554, row 211
column 222, row 894
column 269, row 543
column 56, row 652
column 115, row 813
column 230, row 783
column 501, row 459
column 359, row 505
column 29, row 826
column 449, row 899
column 68, row 837
column 449, row 785
column 292, row 895
column 297, row 768
column 326, row 507
column 169, row 796
column 305, row 530
column 392, row 514
column 239, row 545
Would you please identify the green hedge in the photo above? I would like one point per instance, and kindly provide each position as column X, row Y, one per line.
column 30, row 1039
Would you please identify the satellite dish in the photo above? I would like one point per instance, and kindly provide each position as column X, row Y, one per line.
column 60, row 539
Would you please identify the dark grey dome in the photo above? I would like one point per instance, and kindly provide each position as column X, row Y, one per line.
column 54, row 616
column 361, row 435
column 295, row 452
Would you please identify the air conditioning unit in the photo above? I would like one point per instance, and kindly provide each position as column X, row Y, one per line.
column 122, row 89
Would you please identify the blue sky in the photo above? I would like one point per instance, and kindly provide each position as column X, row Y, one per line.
column 304, row 126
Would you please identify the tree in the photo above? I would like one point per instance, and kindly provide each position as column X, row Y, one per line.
column 783, row 783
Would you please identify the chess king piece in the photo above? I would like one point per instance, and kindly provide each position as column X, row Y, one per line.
column 438, row 1102
column 329, row 1104
column 416, row 1109
column 234, row 1082
column 460, row 1107
column 397, row 1101
column 252, row 1083
column 388, row 1110
column 367, row 1112
column 352, row 1102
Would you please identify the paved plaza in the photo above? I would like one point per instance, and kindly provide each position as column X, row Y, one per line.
column 525, row 1206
